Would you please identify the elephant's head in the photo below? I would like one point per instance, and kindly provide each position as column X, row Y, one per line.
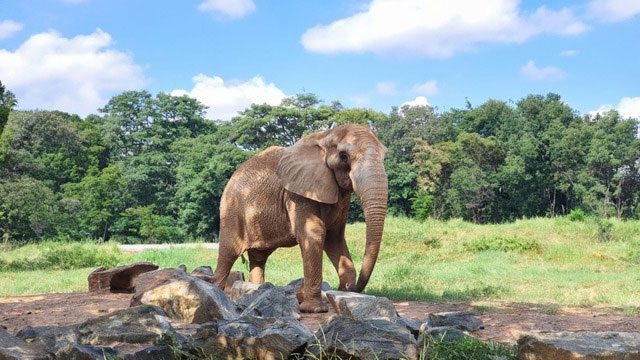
column 341, row 160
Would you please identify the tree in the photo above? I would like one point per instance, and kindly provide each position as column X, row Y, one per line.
column 7, row 103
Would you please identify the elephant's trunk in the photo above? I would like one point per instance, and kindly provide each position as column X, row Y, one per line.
column 370, row 184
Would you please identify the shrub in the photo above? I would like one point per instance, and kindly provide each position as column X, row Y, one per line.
column 577, row 215
column 605, row 230
column 64, row 256
column 422, row 205
column 502, row 243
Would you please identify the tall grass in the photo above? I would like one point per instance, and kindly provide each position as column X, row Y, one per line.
column 532, row 261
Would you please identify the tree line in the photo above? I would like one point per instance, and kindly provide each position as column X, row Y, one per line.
column 152, row 168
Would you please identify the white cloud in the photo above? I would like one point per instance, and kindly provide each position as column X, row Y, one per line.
column 226, row 99
column 428, row 88
column 547, row 73
column 436, row 28
column 627, row 107
column 569, row 53
column 418, row 101
column 231, row 8
column 613, row 10
column 76, row 74
column 386, row 88
column 8, row 28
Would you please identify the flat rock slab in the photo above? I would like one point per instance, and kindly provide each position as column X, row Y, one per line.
column 579, row 345
column 462, row 320
column 360, row 306
column 118, row 279
column 13, row 348
column 344, row 337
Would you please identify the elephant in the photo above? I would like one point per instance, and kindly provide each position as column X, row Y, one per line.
column 300, row 195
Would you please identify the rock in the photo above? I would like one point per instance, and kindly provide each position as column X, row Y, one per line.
column 155, row 352
column 13, row 348
column 84, row 352
column 460, row 319
column 191, row 300
column 51, row 338
column 254, row 337
column 242, row 288
column 143, row 324
column 360, row 306
column 149, row 280
column 203, row 272
column 363, row 339
column 579, row 345
column 412, row 325
column 249, row 297
column 119, row 279
column 232, row 278
column 182, row 267
column 271, row 301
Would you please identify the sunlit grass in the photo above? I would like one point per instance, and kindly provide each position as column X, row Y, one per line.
column 568, row 266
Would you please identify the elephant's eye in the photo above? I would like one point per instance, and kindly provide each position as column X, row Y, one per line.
column 344, row 157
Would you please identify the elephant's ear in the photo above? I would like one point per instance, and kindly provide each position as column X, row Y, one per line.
column 303, row 170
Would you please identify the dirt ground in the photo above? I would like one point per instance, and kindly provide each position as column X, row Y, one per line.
column 503, row 323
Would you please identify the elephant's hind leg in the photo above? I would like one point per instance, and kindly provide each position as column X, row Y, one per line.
column 257, row 262
column 228, row 253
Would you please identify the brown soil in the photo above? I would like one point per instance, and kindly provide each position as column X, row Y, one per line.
column 503, row 323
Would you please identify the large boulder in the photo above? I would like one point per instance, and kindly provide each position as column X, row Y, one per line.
column 242, row 288
column 119, row 279
column 191, row 300
column 272, row 301
column 363, row 339
column 143, row 324
column 579, row 345
column 152, row 279
column 360, row 306
column 203, row 272
column 12, row 348
column 253, row 337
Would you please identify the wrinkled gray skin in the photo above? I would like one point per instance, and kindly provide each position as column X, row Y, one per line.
column 300, row 195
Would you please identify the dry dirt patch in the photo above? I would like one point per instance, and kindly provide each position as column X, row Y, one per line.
column 503, row 323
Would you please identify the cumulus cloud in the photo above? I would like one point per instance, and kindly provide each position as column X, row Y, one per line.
column 569, row 53
column 436, row 28
column 428, row 88
column 613, row 10
column 386, row 88
column 8, row 28
column 627, row 107
column 226, row 99
column 547, row 73
column 235, row 9
column 77, row 75
column 418, row 101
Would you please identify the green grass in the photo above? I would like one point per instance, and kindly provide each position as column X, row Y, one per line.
column 543, row 261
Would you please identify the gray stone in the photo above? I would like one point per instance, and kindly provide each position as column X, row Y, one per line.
column 50, row 338
column 118, row 279
column 363, row 339
column 84, row 352
column 579, row 345
column 155, row 352
column 143, row 324
column 12, row 348
column 360, row 306
column 254, row 337
column 182, row 267
column 249, row 297
column 242, row 288
column 232, row 278
column 272, row 301
column 152, row 279
column 203, row 272
column 462, row 320
column 191, row 300
column 412, row 325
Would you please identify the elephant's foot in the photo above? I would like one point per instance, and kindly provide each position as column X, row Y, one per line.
column 313, row 306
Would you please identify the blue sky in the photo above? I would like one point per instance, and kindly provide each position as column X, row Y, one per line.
column 73, row 55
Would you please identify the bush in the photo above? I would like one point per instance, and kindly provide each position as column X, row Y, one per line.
column 577, row 215
column 61, row 256
column 605, row 230
column 422, row 205
column 502, row 243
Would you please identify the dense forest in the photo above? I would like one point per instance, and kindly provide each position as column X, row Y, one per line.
column 152, row 168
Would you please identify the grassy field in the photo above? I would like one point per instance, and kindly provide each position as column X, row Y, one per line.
column 549, row 261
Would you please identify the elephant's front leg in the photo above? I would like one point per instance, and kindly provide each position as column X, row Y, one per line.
column 310, row 232
column 336, row 248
